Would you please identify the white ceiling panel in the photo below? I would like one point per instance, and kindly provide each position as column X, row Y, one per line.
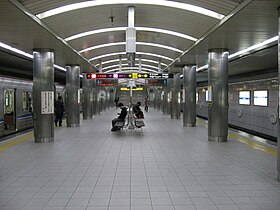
column 248, row 22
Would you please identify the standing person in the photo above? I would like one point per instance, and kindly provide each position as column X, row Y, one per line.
column 121, row 116
column 146, row 103
column 117, row 100
column 58, row 110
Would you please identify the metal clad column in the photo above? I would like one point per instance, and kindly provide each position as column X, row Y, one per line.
column 73, row 95
column 94, row 108
column 218, row 95
column 278, row 133
column 175, row 109
column 169, row 96
column 88, row 97
column 43, row 95
column 189, row 88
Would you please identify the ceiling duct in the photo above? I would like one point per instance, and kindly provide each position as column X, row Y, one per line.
column 131, row 38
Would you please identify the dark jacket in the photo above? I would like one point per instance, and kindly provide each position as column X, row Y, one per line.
column 123, row 113
column 59, row 107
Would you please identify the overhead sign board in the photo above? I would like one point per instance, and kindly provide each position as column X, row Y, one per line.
column 130, row 76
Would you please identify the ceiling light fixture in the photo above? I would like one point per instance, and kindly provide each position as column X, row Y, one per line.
column 123, row 43
column 105, row 30
column 123, row 53
column 172, row 4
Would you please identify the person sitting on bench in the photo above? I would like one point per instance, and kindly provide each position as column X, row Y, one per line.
column 121, row 116
column 137, row 110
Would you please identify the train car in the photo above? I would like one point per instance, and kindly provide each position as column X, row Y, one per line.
column 252, row 106
column 16, row 108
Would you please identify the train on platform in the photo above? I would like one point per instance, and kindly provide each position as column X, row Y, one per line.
column 253, row 104
column 16, row 109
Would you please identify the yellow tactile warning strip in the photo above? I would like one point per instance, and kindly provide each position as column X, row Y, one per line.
column 247, row 141
column 14, row 142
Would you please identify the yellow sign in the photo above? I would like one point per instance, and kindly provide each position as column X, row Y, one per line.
column 134, row 75
column 140, row 88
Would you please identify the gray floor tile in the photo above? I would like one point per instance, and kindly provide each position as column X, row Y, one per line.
column 173, row 168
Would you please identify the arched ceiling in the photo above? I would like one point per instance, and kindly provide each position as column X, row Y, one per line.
column 169, row 32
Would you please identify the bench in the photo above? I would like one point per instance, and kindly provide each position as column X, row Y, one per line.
column 139, row 123
column 120, row 124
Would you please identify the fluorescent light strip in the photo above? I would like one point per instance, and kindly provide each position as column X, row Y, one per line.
column 123, row 53
column 125, row 59
column 202, row 68
column 151, row 61
column 104, row 30
column 98, row 31
column 163, row 31
column 266, row 42
column 106, row 55
column 149, row 66
column 113, row 66
column 59, row 67
column 117, row 65
column 242, row 52
column 155, row 55
column 20, row 52
column 137, row 43
column 164, row 3
column 132, row 68
column 101, row 46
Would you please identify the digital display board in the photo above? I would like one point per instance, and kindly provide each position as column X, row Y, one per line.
column 105, row 82
column 261, row 98
column 129, row 76
column 244, row 97
column 157, row 82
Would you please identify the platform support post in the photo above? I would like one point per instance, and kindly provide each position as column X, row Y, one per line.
column 278, row 128
column 189, row 96
column 175, row 89
column 218, row 95
column 73, row 95
column 43, row 95
column 88, row 97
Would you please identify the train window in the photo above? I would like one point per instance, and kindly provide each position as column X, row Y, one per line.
column 261, row 98
column 244, row 98
column 9, row 98
column 26, row 101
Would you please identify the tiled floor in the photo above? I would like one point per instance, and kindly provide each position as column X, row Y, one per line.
column 163, row 167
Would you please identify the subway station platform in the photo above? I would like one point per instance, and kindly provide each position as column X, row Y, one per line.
column 163, row 166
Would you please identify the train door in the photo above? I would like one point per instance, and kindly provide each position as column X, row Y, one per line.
column 9, row 111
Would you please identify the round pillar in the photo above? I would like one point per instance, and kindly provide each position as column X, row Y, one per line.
column 73, row 95
column 175, row 106
column 87, row 97
column 218, row 95
column 189, row 90
column 43, row 95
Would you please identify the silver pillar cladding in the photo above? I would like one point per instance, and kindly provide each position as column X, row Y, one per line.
column 94, row 108
column 189, row 88
column 43, row 91
column 73, row 95
column 87, row 97
column 218, row 95
column 278, row 133
column 175, row 89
